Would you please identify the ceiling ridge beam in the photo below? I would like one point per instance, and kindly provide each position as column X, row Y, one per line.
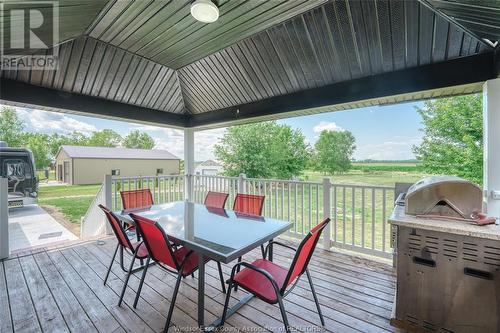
column 23, row 94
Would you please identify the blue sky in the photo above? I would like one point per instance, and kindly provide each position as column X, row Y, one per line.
column 382, row 132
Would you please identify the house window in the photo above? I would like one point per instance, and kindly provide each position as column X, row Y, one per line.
column 159, row 171
column 115, row 172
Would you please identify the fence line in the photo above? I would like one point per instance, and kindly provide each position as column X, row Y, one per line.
column 358, row 212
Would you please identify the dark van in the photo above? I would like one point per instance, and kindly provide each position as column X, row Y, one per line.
column 18, row 166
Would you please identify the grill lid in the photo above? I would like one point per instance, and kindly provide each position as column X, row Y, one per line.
column 444, row 196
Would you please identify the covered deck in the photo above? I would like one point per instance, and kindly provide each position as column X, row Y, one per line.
column 150, row 62
column 60, row 289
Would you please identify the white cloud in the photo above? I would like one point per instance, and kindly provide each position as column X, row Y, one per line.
column 328, row 126
column 50, row 122
column 395, row 149
column 141, row 127
column 173, row 141
column 204, row 143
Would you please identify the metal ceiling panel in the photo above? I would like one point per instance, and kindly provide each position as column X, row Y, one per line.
column 481, row 17
column 165, row 31
column 90, row 67
column 338, row 41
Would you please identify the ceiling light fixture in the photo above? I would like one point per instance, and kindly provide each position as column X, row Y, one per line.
column 204, row 11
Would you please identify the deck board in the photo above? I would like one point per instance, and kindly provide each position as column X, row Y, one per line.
column 23, row 313
column 76, row 317
column 49, row 316
column 61, row 289
column 5, row 318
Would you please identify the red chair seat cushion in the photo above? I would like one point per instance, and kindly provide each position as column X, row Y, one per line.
column 191, row 264
column 258, row 284
column 141, row 249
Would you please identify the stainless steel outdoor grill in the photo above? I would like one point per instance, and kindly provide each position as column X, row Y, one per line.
column 447, row 269
column 445, row 196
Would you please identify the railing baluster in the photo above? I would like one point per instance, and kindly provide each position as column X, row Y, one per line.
column 335, row 213
column 270, row 199
column 343, row 215
column 302, row 206
column 283, row 201
column 276, row 189
column 363, row 218
column 373, row 219
column 289, row 196
column 318, row 206
column 295, row 207
column 265, row 192
column 309, row 188
column 353, row 216
column 384, row 195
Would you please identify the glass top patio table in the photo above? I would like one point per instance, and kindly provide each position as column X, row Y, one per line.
column 219, row 234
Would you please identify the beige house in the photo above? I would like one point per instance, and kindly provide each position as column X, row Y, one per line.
column 78, row 165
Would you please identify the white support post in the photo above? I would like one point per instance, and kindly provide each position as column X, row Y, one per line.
column 108, row 200
column 491, row 140
column 242, row 183
column 4, row 219
column 188, row 163
column 327, row 209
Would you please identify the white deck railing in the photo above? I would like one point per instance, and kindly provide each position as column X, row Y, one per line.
column 164, row 188
column 358, row 212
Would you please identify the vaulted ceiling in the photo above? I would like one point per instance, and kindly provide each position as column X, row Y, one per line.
column 155, row 56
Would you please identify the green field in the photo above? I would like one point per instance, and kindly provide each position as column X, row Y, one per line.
column 357, row 177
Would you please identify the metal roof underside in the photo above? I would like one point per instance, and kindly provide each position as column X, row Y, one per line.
column 150, row 61
column 481, row 17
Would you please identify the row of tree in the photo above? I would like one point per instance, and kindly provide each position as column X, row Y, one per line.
column 272, row 150
column 453, row 137
column 45, row 146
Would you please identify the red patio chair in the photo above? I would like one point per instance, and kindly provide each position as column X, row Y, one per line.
column 269, row 281
column 137, row 249
column 249, row 204
column 252, row 205
column 216, row 199
column 180, row 261
column 137, row 198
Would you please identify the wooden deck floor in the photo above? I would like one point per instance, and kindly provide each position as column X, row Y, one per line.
column 61, row 290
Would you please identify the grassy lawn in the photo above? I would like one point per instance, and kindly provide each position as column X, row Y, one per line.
column 71, row 201
column 62, row 191
column 41, row 175
column 72, row 208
